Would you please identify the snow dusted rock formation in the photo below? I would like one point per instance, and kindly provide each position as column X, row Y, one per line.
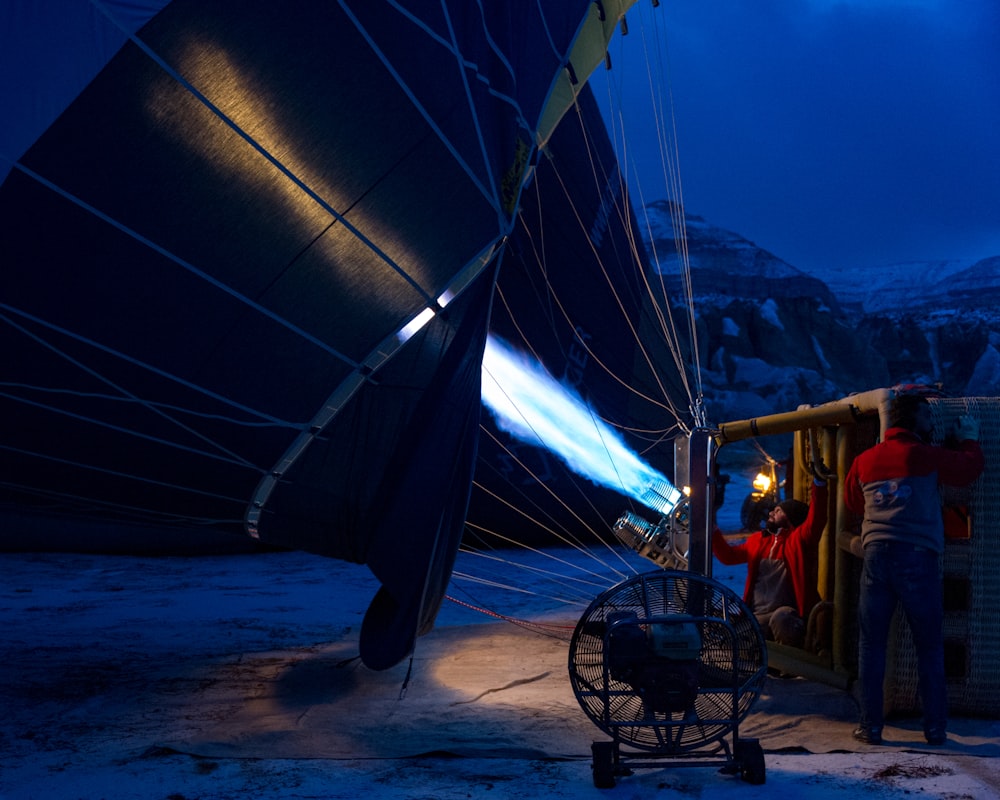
column 937, row 323
column 934, row 322
column 773, row 337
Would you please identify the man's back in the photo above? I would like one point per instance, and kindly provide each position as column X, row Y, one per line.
column 895, row 486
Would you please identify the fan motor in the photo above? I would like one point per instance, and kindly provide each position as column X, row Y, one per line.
column 658, row 660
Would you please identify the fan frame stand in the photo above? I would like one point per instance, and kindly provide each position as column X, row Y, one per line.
column 744, row 757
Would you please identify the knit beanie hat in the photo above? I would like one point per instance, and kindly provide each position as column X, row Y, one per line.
column 795, row 510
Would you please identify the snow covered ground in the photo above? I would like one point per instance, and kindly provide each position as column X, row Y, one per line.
column 233, row 676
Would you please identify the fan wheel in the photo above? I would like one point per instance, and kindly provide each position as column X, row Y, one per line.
column 667, row 661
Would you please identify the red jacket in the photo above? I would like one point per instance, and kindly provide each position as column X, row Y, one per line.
column 895, row 485
column 798, row 547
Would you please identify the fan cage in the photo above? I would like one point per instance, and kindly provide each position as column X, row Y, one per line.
column 668, row 702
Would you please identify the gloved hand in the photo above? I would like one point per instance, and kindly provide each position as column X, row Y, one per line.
column 967, row 427
column 821, row 472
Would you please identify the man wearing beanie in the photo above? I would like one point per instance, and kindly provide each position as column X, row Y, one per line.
column 781, row 587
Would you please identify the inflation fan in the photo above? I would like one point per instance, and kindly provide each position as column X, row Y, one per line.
column 668, row 663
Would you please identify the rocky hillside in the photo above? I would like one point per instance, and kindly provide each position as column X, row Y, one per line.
column 772, row 337
column 889, row 289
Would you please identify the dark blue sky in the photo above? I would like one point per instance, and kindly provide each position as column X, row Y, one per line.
column 830, row 133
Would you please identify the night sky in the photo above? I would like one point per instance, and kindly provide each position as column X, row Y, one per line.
column 830, row 133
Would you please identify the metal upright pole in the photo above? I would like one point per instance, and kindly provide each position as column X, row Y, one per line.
column 694, row 461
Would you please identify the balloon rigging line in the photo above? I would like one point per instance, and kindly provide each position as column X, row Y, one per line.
column 660, row 301
column 579, row 594
column 670, row 162
column 551, row 294
column 595, row 557
column 148, row 403
column 672, row 182
column 614, row 292
column 563, row 588
column 142, row 514
column 491, row 196
column 556, row 577
column 621, row 206
column 521, row 545
column 199, row 273
column 268, row 418
column 667, row 403
column 145, row 437
column 465, row 63
column 566, row 537
column 611, row 373
column 550, row 629
column 233, row 457
column 118, row 474
column 496, row 198
column 567, row 578
column 663, row 312
column 660, row 305
column 580, row 600
column 668, row 321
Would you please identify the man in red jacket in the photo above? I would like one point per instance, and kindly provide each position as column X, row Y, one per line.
column 895, row 486
column 781, row 587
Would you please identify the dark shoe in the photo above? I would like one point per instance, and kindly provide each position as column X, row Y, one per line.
column 868, row 735
column 936, row 737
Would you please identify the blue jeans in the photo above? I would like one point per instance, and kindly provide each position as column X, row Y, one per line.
column 897, row 571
